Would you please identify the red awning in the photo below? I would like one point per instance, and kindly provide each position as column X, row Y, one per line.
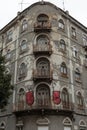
column 56, row 97
column 29, row 98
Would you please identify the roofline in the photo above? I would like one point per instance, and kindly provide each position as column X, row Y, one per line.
column 21, row 15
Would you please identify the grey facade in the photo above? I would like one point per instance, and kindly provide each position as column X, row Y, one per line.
column 46, row 53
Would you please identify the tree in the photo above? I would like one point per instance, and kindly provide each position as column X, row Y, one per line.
column 5, row 83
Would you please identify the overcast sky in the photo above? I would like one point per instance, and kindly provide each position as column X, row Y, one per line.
column 9, row 9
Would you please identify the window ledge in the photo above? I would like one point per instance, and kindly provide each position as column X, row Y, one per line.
column 64, row 75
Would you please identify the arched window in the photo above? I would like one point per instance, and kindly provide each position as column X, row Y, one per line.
column 24, row 25
column 22, row 70
column 2, row 126
column 82, row 125
column 79, row 100
column 73, row 31
column 65, row 98
column 61, row 24
column 77, row 74
column 21, row 99
column 67, row 123
column 21, row 95
column 62, row 45
column 75, row 52
column 42, row 43
column 23, row 46
column 43, row 95
column 43, row 18
column 43, row 67
column 63, row 69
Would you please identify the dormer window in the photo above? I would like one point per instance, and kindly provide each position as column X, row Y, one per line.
column 42, row 24
column 43, row 18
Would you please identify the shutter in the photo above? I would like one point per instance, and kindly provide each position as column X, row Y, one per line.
column 29, row 98
column 56, row 97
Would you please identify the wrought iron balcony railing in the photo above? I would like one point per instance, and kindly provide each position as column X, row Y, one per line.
column 42, row 26
column 39, row 75
column 47, row 49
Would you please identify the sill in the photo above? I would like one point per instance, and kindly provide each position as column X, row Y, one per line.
column 80, row 107
column 61, row 29
column 21, row 52
column 21, row 77
column 78, row 81
column 8, row 40
column 63, row 51
column 64, row 75
column 23, row 31
column 74, row 37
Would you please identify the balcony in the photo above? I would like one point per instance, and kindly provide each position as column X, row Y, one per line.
column 42, row 26
column 42, row 50
column 67, row 106
column 43, row 108
column 42, row 75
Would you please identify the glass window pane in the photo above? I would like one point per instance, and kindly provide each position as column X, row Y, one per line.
column 42, row 127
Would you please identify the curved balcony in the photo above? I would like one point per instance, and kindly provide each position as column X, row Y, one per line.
column 42, row 26
column 42, row 49
column 22, row 108
column 42, row 75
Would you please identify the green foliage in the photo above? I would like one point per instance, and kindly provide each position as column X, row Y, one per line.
column 5, row 84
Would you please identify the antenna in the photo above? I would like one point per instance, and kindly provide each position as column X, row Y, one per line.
column 63, row 5
column 22, row 4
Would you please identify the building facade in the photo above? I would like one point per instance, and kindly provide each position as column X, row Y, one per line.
column 45, row 50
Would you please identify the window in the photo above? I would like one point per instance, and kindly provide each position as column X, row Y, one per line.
column 24, row 25
column 21, row 99
column 43, row 20
column 77, row 74
column 84, row 40
column 61, row 24
column 82, row 125
column 23, row 46
column 75, row 52
column 65, row 98
column 43, row 95
column 67, row 123
column 9, row 36
column 43, row 67
column 8, row 56
column 2, row 126
column 73, row 31
column 22, row 70
column 79, row 100
column 42, row 127
column 62, row 45
column 63, row 69
column 42, row 43
column 19, row 125
column 21, row 95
